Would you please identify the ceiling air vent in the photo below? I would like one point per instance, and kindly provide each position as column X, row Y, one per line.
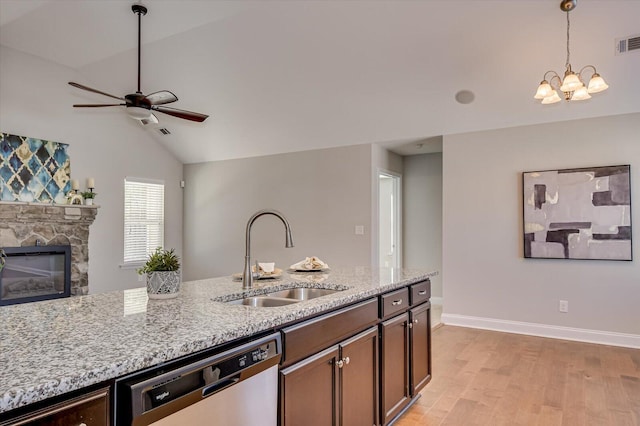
column 164, row 131
column 628, row 44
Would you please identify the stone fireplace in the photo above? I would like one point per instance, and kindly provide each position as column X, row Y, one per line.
column 29, row 224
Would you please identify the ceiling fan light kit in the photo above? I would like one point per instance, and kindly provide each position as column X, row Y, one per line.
column 139, row 106
column 138, row 113
column 571, row 85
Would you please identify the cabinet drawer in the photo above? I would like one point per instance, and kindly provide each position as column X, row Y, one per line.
column 309, row 337
column 91, row 409
column 420, row 292
column 394, row 302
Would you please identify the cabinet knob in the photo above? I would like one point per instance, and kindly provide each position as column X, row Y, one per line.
column 415, row 320
column 397, row 302
column 422, row 292
column 347, row 360
column 340, row 363
column 410, row 325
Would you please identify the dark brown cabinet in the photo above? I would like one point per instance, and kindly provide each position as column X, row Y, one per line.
column 394, row 366
column 91, row 409
column 420, row 341
column 338, row 386
column 308, row 390
column 330, row 378
column 405, row 348
column 359, row 380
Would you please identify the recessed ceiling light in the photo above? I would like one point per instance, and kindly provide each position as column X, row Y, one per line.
column 465, row 97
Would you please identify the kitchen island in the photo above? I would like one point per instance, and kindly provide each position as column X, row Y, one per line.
column 55, row 347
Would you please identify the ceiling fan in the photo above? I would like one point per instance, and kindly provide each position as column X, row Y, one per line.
column 138, row 105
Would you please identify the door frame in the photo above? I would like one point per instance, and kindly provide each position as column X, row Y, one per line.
column 397, row 211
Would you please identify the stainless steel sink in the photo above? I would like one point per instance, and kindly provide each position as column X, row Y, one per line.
column 283, row 297
column 263, row 301
column 302, row 293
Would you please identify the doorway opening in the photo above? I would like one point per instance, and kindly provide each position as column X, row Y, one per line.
column 389, row 220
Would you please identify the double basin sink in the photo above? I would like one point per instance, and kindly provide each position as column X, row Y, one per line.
column 283, row 297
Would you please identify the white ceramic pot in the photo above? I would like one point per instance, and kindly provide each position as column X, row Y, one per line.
column 163, row 284
column 88, row 202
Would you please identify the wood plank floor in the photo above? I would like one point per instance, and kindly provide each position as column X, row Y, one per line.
column 489, row 378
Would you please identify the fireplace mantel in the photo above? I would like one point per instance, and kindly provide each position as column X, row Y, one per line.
column 25, row 224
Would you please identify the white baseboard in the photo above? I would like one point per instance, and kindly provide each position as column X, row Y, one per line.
column 544, row 330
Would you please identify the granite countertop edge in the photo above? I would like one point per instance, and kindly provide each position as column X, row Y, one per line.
column 199, row 306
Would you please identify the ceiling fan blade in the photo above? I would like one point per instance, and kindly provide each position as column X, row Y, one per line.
column 97, row 105
column 89, row 89
column 180, row 113
column 160, row 98
column 151, row 120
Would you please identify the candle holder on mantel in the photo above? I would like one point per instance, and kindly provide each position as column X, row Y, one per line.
column 75, row 186
column 89, row 196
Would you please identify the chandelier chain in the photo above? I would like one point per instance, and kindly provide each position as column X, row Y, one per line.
column 568, row 51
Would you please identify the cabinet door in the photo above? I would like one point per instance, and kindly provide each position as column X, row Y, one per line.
column 308, row 390
column 394, row 361
column 89, row 410
column 359, row 379
column 420, row 332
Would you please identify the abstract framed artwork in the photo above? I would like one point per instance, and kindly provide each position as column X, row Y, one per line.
column 578, row 213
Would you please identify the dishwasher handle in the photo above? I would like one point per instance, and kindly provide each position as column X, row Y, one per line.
column 221, row 385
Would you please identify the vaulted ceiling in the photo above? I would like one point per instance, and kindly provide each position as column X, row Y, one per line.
column 281, row 76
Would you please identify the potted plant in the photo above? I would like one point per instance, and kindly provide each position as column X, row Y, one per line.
column 163, row 274
column 88, row 197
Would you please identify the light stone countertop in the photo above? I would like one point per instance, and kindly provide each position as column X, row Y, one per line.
column 53, row 347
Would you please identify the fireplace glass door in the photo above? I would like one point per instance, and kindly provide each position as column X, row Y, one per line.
column 35, row 273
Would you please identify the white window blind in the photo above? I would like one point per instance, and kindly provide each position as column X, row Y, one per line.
column 143, row 218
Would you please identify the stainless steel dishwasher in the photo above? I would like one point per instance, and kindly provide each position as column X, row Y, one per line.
column 236, row 387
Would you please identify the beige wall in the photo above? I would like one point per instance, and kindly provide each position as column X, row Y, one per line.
column 323, row 193
column 35, row 101
column 484, row 273
column 422, row 196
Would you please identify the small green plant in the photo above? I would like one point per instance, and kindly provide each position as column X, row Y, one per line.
column 88, row 195
column 161, row 260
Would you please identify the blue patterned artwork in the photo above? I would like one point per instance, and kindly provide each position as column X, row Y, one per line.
column 33, row 170
column 578, row 213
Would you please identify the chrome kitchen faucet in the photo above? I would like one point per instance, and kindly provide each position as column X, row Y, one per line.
column 247, row 274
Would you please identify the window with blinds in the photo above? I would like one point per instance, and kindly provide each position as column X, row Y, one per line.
column 143, row 218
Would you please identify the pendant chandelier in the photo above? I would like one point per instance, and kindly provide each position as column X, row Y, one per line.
column 572, row 85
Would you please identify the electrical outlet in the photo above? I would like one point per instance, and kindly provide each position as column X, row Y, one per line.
column 359, row 229
column 563, row 306
column 140, row 278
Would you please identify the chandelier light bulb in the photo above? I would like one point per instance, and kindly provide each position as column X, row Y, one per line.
column 571, row 82
column 551, row 99
column 544, row 90
column 581, row 94
column 597, row 84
